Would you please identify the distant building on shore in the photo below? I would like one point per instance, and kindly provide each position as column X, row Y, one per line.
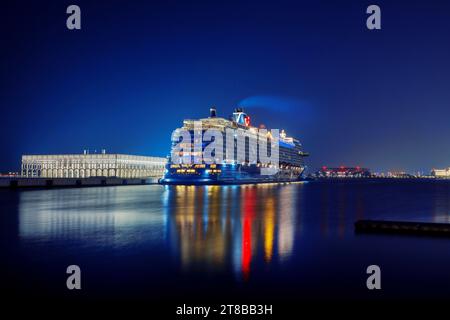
column 92, row 165
column 441, row 173
column 343, row 172
column 400, row 174
column 9, row 174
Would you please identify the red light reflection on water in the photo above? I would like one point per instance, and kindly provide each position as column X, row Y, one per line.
column 248, row 206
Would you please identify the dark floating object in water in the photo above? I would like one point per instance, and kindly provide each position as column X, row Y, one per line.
column 403, row 227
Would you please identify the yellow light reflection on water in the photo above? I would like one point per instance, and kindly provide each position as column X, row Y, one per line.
column 269, row 228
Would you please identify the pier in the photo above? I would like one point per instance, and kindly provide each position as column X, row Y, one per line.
column 403, row 227
column 24, row 182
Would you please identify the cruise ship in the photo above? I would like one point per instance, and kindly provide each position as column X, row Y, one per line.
column 244, row 165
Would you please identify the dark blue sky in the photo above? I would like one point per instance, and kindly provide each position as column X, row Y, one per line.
column 136, row 69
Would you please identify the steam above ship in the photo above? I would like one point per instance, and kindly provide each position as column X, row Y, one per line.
column 241, row 153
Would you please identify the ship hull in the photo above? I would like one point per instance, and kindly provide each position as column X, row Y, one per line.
column 228, row 175
column 235, row 182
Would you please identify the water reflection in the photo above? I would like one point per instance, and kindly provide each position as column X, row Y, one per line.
column 441, row 212
column 176, row 237
column 339, row 206
column 286, row 207
column 217, row 226
column 209, row 228
column 92, row 217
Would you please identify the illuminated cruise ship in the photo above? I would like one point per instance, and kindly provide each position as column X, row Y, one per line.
column 246, row 163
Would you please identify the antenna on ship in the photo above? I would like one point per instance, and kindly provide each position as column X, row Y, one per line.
column 212, row 112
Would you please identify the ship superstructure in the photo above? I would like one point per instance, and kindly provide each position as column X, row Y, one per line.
column 245, row 164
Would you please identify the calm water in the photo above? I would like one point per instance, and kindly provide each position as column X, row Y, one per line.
column 218, row 243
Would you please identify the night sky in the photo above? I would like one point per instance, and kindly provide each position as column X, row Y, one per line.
column 136, row 69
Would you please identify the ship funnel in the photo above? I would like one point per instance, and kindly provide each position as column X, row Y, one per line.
column 212, row 112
